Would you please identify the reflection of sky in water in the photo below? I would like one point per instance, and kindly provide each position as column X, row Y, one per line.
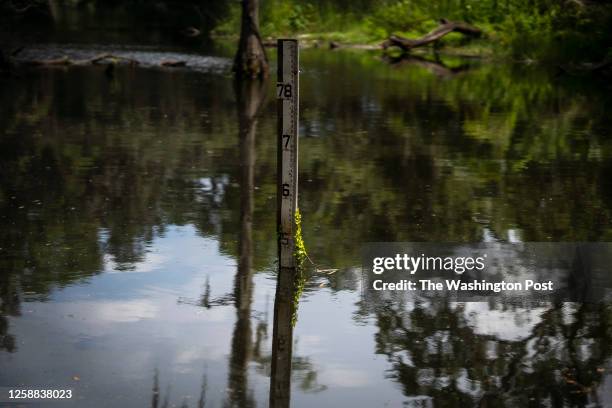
column 511, row 325
column 116, row 329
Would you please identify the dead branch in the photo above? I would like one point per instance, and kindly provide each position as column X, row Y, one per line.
column 445, row 28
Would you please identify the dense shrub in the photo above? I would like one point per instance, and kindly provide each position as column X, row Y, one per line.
column 569, row 30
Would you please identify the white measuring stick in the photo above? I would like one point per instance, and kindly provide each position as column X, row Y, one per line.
column 288, row 108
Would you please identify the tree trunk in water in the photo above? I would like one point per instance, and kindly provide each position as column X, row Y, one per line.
column 251, row 60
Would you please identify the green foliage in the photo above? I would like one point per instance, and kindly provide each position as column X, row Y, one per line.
column 230, row 26
column 543, row 30
column 301, row 17
column 300, row 256
column 286, row 17
column 392, row 17
column 300, row 248
column 526, row 36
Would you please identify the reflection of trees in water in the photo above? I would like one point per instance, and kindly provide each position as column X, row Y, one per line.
column 454, row 159
column 10, row 305
column 165, row 402
column 501, row 353
column 435, row 351
column 76, row 194
column 112, row 169
column 97, row 174
column 249, row 96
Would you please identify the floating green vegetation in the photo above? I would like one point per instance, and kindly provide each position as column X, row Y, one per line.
column 300, row 255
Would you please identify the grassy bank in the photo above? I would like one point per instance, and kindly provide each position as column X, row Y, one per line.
column 538, row 30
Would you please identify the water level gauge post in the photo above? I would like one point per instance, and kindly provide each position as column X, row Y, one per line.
column 287, row 93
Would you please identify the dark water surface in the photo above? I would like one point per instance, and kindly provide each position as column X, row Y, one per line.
column 138, row 236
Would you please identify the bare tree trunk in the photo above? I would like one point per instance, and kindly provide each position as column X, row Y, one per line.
column 251, row 60
column 52, row 6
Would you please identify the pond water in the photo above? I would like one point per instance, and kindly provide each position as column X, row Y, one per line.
column 138, row 232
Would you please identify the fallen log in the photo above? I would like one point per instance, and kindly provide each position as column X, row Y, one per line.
column 94, row 60
column 102, row 57
column 445, row 27
column 99, row 59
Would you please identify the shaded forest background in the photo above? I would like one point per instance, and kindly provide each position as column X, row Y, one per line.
column 538, row 30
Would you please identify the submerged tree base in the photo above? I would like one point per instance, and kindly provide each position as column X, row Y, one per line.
column 250, row 60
